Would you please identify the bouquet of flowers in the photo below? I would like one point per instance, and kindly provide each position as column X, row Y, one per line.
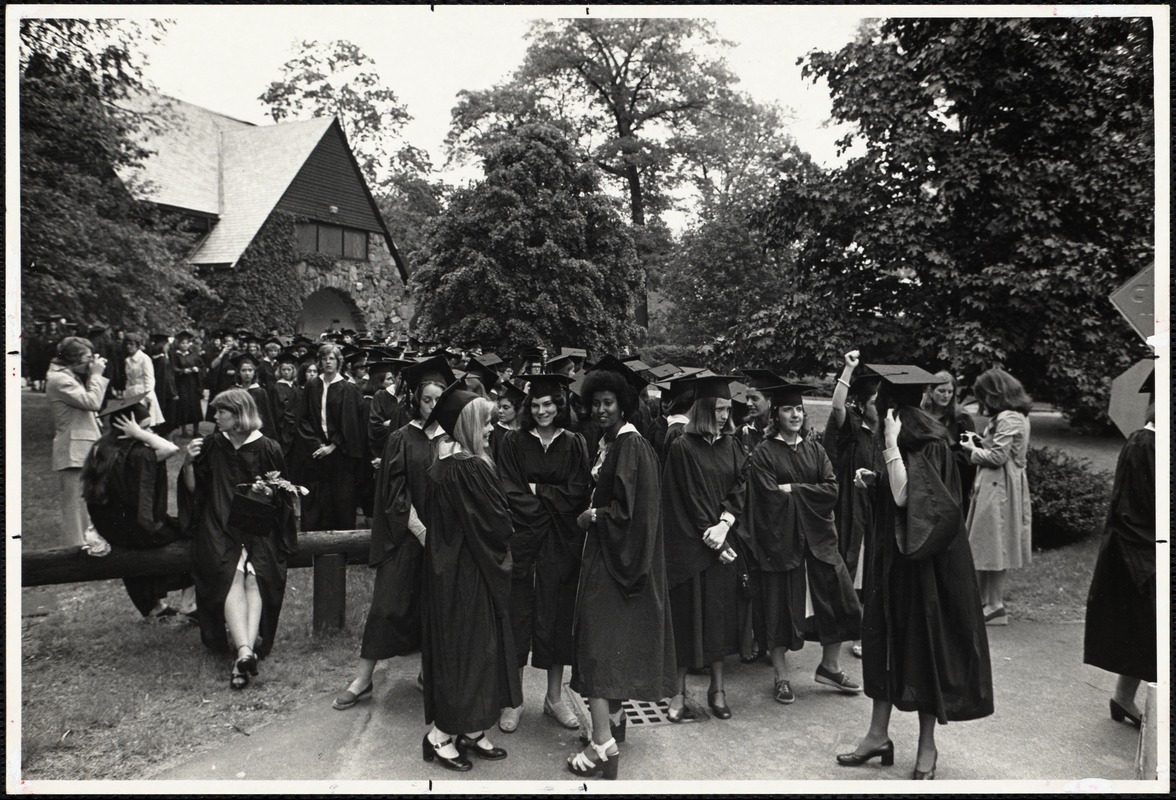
column 272, row 481
column 253, row 508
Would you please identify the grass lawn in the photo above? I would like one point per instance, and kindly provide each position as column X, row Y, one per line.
column 106, row 695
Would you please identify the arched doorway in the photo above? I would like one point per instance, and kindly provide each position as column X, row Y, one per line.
column 327, row 308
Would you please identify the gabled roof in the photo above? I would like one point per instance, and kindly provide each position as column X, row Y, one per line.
column 213, row 165
column 183, row 170
column 257, row 164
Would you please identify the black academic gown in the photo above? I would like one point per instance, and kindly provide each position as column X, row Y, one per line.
column 547, row 542
column 385, row 414
column 134, row 515
column 333, row 479
column 924, row 645
column 467, row 647
column 700, row 481
column 393, row 626
column 851, row 447
column 623, row 631
column 218, row 539
column 794, row 538
column 188, row 390
column 286, row 397
column 1121, row 606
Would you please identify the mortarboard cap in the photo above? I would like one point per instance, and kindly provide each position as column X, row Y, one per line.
column 434, row 368
column 242, row 358
column 705, row 386
column 449, row 407
column 115, row 405
column 487, row 376
column 905, row 383
column 184, row 335
column 547, row 384
column 787, row 394
column 509, row 391
column 1149, row 383
column 761, row 378
column 160, row 338
column 663, row 372
column 560, row 362
column 611, row 363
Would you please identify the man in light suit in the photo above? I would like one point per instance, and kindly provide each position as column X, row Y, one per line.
column 75, row 388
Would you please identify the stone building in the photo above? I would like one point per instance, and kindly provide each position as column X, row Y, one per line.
column 229, row 178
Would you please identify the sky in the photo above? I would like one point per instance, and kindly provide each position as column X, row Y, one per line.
column 223, row 57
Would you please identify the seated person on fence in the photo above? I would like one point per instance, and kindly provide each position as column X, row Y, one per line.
column 124, row 483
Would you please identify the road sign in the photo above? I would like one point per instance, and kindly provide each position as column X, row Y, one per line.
column 1136, row 300
column 1128, row 408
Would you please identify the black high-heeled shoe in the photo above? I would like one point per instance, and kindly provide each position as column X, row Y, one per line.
column 885, row 751
column 720, row 711
column 429, row 752
column 1120, row 714
column 929, row 775
column 248, row 664
column 469, row 744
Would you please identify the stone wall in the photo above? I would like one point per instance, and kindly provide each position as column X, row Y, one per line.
column 373, row 289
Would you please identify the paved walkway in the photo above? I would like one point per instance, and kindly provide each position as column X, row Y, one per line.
column 1051, row 727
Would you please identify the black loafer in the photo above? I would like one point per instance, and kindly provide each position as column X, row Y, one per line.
column 885, row 751
column 468, row 745
column 720, row 711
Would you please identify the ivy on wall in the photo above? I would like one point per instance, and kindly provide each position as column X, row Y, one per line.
column 264, row 289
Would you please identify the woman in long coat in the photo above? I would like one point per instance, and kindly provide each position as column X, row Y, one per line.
column 467, row 647
column 703, row 493
column 623, row 631
column 241, row 536
column 544, row 470
column 1121, row 607
column 393, row 625
column 924, row 645
column 1000, row 519
column 792, row 495
column 140, row 377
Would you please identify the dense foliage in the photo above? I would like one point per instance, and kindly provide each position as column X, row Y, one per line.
column 1068, row 497
column 89, row 250
column 532, row 254
column 1004, row 188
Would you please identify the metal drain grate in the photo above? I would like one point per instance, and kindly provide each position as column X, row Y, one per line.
column 639, row 713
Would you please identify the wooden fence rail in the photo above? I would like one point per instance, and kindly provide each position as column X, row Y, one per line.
column 328, row 552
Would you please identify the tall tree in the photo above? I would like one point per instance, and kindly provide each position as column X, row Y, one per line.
column 1006, row 187
column 338, row 79
column 533, row 254
column 88, row 249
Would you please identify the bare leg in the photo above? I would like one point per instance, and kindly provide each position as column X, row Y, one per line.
column 830, row 654
column 996, row 587
column 1125, row 689
column 236, row 612
column 928, row 754
column 678, row 700
column 778, row 654
column 716, row 681
column 879, row 732
column 982, row 580
column 253, row 609
column 555, row 683
column 363, row 677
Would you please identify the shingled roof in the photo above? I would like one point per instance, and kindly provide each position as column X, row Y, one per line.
column 209, row 164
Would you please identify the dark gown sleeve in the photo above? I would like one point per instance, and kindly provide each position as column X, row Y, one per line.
column 351, row 434
column 775, row 544
column 1131, row 518
column 931, row 519
column 529, row 519
column 813, row 502
column 474, row 507
column 145, row 477
column 308, row 427
column 628, row 520
column 392, row 501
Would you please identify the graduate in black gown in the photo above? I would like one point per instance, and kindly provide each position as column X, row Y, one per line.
column 1121, row 607
column 247, row 367
column 334, row 436
column 924, row 644
column 544, row 471
column 508, row 407
column 623, row 632
column 386, row 412
column 393, row 625
column 467, row 648
column 286, row 394
column 125, row 486
column 703, row 493
column 187, row 366
column 221, row 373
column 242, row 537
column 850, row 440
column 807, row 591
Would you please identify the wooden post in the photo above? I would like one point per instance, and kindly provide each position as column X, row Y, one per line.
column 330, row 592
column 1146, row 755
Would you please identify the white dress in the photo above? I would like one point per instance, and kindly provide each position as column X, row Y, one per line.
column 141, row 378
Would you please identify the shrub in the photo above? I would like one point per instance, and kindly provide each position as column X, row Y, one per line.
column 1069, row 497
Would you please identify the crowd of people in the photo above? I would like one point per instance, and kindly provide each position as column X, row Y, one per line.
column 633, row 524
